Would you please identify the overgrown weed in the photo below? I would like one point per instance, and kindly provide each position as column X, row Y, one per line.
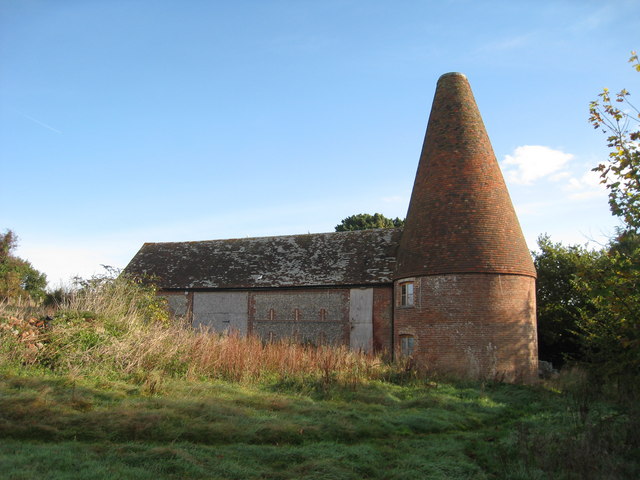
column 116, row 327
column 591, row 436
column 111, row 367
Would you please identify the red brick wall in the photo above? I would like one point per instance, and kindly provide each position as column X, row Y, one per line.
column 309, row 302
column 382, row 319
column 474, row 325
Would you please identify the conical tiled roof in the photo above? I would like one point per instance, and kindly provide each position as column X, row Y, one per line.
column 460, row 217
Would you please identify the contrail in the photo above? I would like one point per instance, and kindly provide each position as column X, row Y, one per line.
column 42, row 124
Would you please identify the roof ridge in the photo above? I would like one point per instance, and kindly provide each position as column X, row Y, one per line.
column 277, row 236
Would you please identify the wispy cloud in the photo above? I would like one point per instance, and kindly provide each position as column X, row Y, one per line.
column 530, row 163
column 395, row 199
column 585, row 187
column 595, row 20
column 539, row 208
column 42, row 124
column 508, row 43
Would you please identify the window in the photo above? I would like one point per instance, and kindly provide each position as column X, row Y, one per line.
column 406, row 345
column 272, row 314
column 323, row 314
column 406, row 294
column 296, row 314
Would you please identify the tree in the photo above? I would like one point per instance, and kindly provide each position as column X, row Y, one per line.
column 18, row 278
column 610, row 330
column 589, row 301
column 8, row 242
column 610, row 333
column 561, row 301
column 619, row 119
column 365, row 221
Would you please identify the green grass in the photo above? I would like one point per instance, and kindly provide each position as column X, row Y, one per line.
column 63, row 427
column 113, row 389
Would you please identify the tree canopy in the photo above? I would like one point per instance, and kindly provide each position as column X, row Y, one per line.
column 366, row 221
column 611, row 335
column 18, row 278
column 561, row 302
column 589, row 301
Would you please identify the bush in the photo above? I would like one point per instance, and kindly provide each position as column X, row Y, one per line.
column 116, row 326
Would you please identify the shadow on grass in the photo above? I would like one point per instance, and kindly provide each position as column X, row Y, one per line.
column 57, row 409
column 79, row 428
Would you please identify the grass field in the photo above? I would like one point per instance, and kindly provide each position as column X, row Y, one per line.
column 111, row 388
column 65, row 427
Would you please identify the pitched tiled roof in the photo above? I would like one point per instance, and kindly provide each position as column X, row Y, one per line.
column 364, row 257
column 460, row 218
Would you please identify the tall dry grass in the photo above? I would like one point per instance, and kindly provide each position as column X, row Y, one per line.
column 117, row 327
column 183, row 352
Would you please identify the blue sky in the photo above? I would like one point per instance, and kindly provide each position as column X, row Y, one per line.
column 124, row 122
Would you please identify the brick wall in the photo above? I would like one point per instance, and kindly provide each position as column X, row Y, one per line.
column 332, row 326
column 308, row 315
column 474, row 325
column 382, row 319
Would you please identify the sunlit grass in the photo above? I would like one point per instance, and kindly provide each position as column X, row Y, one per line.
column 204, row 429
column 111, row 388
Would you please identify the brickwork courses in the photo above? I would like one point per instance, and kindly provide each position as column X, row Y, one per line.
column 454, row 288
column 382, row 319
column 473, row 312
column 317, row 316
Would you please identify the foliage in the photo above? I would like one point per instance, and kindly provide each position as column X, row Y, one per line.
column 589, row 301
column 18, row 279
column 618, row 118
column 561, row 302
column 589, row 307
column 118, row 391
column 365, row 221
column 611, row 330
column 117, row 296
column 611, row 333
column 120, row 326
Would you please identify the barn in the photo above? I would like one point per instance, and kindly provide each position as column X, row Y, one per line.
column 454, row 289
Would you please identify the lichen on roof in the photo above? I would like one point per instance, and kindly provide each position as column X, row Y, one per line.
column 365, row 257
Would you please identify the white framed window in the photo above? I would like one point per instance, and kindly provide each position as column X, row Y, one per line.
column 407, row 343
column 406, row 294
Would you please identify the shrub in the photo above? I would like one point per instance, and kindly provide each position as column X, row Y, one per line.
column 116, row 326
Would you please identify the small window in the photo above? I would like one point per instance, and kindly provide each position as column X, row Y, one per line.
column 272, row 314
column 323, row 314
column 406, row 345
column 296, row 314
column 406, row 294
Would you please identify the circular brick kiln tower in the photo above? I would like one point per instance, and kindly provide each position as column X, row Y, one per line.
column 464, row 280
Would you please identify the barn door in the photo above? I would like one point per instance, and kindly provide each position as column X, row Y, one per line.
column 221, row 311
column 361, row 319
